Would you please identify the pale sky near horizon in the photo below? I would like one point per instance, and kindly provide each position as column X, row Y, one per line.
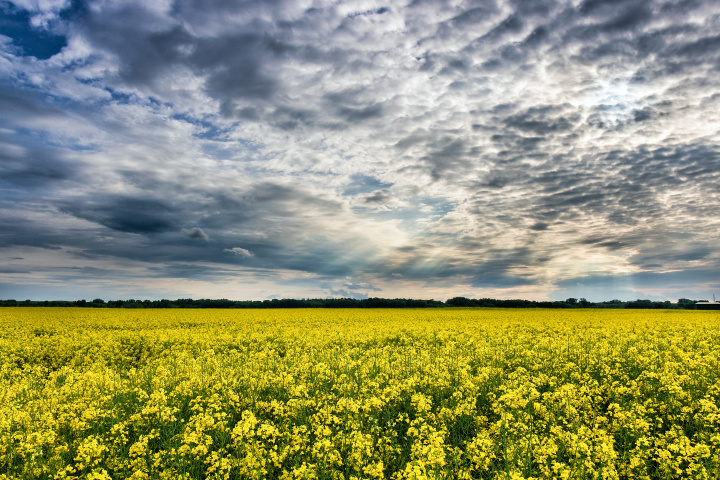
column 534, row 149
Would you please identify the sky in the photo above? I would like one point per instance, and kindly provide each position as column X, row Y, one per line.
column 242, row 149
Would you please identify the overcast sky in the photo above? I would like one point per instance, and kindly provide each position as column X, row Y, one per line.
column 235, row 149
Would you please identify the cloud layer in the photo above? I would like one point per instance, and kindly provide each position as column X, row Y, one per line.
column 210, row 148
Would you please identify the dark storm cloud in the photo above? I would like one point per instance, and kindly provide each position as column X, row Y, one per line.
column 235, row 65
column 266, row 222
column 131, row 33
column 126, row 214
column 240, row 66
column 539, row 226
column 196, row 234
column 25, row 162
column 16, row 231
column 20, row 104
column 242, row 76
column 35, row 167
column 283, row 245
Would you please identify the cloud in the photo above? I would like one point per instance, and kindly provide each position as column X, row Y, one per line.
column 42, row 5
column 125, row 214
column 240, row 252
column 361, row 286
column 500, row 146
column 342, row 293
column 33, row 166
column 196, row 234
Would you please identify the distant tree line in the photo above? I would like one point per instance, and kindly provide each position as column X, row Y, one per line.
column 683, row 303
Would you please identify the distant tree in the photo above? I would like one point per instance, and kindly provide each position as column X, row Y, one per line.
column 687, row 304
column 643, row 303
column 460, row 302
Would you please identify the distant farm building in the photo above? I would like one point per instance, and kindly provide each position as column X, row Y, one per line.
column 707, row 305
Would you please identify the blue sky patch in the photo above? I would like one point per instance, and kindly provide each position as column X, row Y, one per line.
column 34, row 42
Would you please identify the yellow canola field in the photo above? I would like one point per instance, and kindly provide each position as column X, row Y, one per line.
column 345, row 394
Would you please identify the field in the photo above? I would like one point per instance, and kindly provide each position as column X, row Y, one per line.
column 342, row 394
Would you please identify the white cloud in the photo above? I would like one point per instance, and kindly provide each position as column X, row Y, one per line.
column 42, row 5
column 240, row 252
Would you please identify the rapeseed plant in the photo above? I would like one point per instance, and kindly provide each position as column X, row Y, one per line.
column 358, row 394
